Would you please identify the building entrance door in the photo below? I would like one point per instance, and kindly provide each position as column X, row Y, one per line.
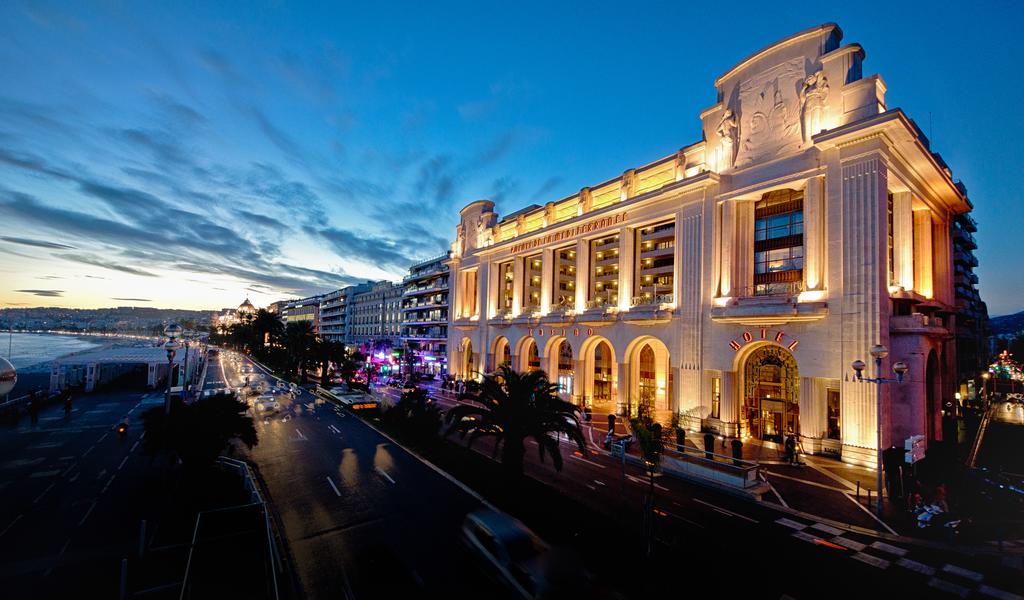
column 771, row 394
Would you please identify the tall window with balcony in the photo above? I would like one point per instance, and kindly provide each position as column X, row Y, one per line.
column 531, row 282
column 564, row 285
column 778, row 243
column 506, row 282
column 655, row 263
column 604, row 272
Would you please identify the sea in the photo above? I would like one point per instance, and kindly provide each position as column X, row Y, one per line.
column 37, row 349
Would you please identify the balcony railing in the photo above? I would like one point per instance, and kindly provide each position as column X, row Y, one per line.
column 652, row 299
column 769, row 290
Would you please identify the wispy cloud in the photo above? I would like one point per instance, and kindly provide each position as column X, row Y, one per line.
column 43, row 293
column 37, row 243
column 132, row 299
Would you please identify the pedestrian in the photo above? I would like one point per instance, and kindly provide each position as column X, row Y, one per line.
column 790, row 446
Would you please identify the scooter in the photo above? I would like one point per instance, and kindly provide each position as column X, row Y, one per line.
column 122, row 429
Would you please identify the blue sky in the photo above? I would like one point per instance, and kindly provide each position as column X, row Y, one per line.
column 190, row 154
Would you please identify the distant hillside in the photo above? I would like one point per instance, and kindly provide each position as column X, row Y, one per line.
column 1007, row 323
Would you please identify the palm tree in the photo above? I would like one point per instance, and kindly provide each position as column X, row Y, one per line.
column 512, row 407
column 298, row 341
column 324, row 353
column 267, row 327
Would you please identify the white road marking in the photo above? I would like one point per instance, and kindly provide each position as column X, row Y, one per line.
column 916, row 567
column 851, row 544
column 334, row 487
column 889, row 548
column 109, row 481
column 948, row 587
column 134, row 446
column 728, row 512
column 11, row 524
column 385, row 475
column 103, row 437
column 45, row 446
column 645, row 482
column 589, row 462
column 592, row 487
column 683, row 519
column 86, row 453
column 805, row 537
column 965, row 573
column 997, row 593
column 121, row 466
column 599, row 482
column 791, row 524
column 75, row 478
column 87, row 513
column 299, row 433
column 40, row 496
column 101, row 474
column 50, row 473
column 827, row 529
column 868, row 559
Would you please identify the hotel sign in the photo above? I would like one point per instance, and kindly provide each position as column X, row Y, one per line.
column 571, row 232
column 779, row 337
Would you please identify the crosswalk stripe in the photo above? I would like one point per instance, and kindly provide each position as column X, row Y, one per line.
column 827, row 529
column 916, row 567
column 889, row 548
column 948, row 587
column 868, row 559
column 851, row 544
column 997, row 593
column 962, row 572
column 791, row 524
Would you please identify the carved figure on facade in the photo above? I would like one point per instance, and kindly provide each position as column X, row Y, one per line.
column 460, row 240
column 769, row 122
column 727, row 128
column 813, row 103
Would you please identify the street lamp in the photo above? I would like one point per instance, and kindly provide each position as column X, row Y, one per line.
column 172, row 331
column 984, row 386
column 879, row 352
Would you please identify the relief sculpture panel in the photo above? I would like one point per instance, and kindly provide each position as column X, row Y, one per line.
column 769, row 108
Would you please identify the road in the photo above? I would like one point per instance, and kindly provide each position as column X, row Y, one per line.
column 66, row 486
column 362, row 517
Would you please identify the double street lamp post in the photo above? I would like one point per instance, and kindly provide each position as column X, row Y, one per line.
column 879, row 352
column 172, row 331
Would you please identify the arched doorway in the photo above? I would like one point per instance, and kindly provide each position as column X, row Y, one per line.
column 602, row 393
column 931, row 383
column 468, row 361
column 529, row 356
column 502, row 353
column 650, row 378
column 564, row 369
column 771, row 394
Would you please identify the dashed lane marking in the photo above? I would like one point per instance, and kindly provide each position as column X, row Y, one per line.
column 645, row 482
column 913, row 565
column 298, row 432
column 86, row 453
column 334, row 487
column 40, row 496
column 726, row 512
column 103, row 437
column 121, row 466
column 87, row 513
column 9, row 525
column 868, row 559
column 107, row 485
column 888, row 548
column 962, row 572
column 48, row 473
column 45, row 446
column 800, row 535
column 599, row 482
column 949, row 587
column 851, row 544
column 384, row 474
column 589, row 462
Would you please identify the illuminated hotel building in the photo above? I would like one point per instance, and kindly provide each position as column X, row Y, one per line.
column 735, row 281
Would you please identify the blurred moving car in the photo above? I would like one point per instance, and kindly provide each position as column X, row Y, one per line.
column 514, row 556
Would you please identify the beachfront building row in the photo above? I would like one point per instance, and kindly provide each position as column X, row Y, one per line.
column 425, row 315
column 735, row 281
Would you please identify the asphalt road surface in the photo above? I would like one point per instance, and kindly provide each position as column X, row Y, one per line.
column 362, row 517
column 66, row 484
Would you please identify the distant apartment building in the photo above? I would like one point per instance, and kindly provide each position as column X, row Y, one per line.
column 971, row 311
column 303, row 309
column 425, row 314
column 376, row 316
column 336, row 311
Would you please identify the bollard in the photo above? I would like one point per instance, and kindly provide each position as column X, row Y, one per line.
column 124, row 579
column 142, row 539
column 869, row 496
column 858, row 490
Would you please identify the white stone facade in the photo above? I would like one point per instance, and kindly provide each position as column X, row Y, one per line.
column 810, row 224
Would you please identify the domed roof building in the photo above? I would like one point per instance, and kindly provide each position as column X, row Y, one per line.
column 246, row 308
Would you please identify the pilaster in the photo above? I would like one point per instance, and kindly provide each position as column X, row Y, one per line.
column 923, row 257
column 814, row 263
column 627, row 268
column 903, row 240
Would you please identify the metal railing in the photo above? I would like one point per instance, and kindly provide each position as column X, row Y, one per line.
column 769, row 290
column 652, row 299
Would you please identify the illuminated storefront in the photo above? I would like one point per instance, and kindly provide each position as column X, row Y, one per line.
column 734, row 281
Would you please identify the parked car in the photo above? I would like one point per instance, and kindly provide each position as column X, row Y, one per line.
column 517, row 558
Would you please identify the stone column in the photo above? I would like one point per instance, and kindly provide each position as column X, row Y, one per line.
column 626, row 268
column 480, row 293
column 731, row 400
column 582, row 273
column 743, row 248
column 923, row 257
column 814, row 243
column 578, row 391
column 864, row 201
column 547, row 275
column 517, row 286
column 623, row 396
column 726, row 285
column 903, row 240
